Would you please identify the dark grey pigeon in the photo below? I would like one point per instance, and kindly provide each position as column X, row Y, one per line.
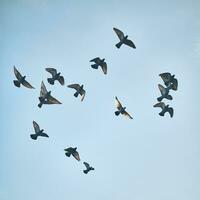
column 99, row 62
column 165, row 108
column 88, row 168
column 169, row 80
column 38, row 132
column 164, row 93
column 123, row 39
column 72, row 151
column 79, row 90
column 45, row 97
column 21, row 80
column 121, row 109
column 55, row 76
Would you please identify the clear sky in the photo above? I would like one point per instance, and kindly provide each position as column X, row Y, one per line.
column 147, row 158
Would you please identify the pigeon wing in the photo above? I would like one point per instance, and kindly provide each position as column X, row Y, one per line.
column 52, row 71
column 165, row 77
column 44, row 135
column 127, row 115
column 83, row 92
column 86, row 165
column 36, row 127
column 43, row 90
column 76, row 155
column 96, row 60
column 27, row 84
column 17, row 73
column 160, row 105
column 104, row 67
column 74, row 86
column 52, row 100
column 174, row 84
column 119, row 33
column 61, row 80
column 130, row 43
column 118, row 104
column 161, row 88
column 170, row 111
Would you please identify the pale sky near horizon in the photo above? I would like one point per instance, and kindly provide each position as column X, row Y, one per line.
column 147, row 158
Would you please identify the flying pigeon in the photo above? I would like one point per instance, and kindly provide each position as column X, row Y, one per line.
column 165, row 108
column 169, row 80
column 99, row 62
column 123, row 39
column 21, row 80
column 88, row 168
column 72, row 151
column 121, row 109
column 55, row 76
column 45, row 97
column 79, row 90
column 164, row 93
column 38, row 132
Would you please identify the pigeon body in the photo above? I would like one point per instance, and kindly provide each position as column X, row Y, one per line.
column 55, row 76
column 164, row 93
column 38, row 132
column 45, row 97
column 121, row 109
column 123, row 39
column 165, row 108
column 99, row 62
column 88, row 168
column 79, row 90
column 21, row 80
column 72, row 151
column 169, row 80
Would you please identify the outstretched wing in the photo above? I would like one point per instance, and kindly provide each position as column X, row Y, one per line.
column 118, row 104
column 61, row 80
column 119, row 33
column 17, row 73
column 44, row 135
column 52, row 100
column 104, row 67
column 174, row 84
column 160, row 104
column 162, row 89
column 74, row 86
column 52, row 71
column 43, row 90
column 76, row 155
column 36, row 127
column 27, row 84
column 170, row 111
column 86, row 165
column 127, row 115
column 96, row 60
column 130, row 43
column 165, row 77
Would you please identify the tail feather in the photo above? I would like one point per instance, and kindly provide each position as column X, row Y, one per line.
column 160, row 98
column 169, row 97
column 95, row 66
column 85, row 171
column 33, row 136
column 117, row 113
column 51, row 81
column 76, row 94
column 118, row 45
column 17, row 83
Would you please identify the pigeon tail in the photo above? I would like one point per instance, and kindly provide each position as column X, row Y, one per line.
column 34, row 136
column 161, row 114
column 76, row 94
column 118, row 45
column 40, row 105
column 95, row 66
column 169, row 97
column 85, row 171
column 117, row 113
column 160, row 99
column 17, row 83
column 50, row 81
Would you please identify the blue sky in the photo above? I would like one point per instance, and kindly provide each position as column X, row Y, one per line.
column 149, row 157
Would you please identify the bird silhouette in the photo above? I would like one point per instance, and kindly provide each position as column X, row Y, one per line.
column 55, row 76
column 169, row 80
column 121, row 109
column 164, row 92
column 123, row 39
column 38, row 132
column 79, row 90
column 99, row 62
column 88, row 168
column 21, row 80
column 45, row 97
column 165, row 108
column 72, row 151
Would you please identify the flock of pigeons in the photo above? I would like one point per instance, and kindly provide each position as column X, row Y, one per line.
column 46, row 97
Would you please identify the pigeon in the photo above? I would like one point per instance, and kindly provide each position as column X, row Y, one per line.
column 21, row 80
column 88, row 168
column 164, row 93
column 79, row 90
column 121, row 109
column 38, row 132
column 165, row 108
column 55, row 76
column 123, row 39
column 45, row 97
column 99, row 62
column 169, row 80
column 72, row 151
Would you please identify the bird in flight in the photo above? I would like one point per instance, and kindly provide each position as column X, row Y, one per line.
column 169, row 80
column 55, row 76
column 38, row 132
column 164, row 93
column 72, row 151
column 99, row 62
column 79, row 90
column 88, row 168
column 123, row 39
column 21, row 80
column 45, row 97
column 121, row 109
column 165, row 108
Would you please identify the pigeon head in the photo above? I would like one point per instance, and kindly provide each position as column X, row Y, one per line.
column 58, row 74
column 103, row 59
column 81, row 86
column 49, row 93
column 124, row 108
column 42, row 130
column 126, row 37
